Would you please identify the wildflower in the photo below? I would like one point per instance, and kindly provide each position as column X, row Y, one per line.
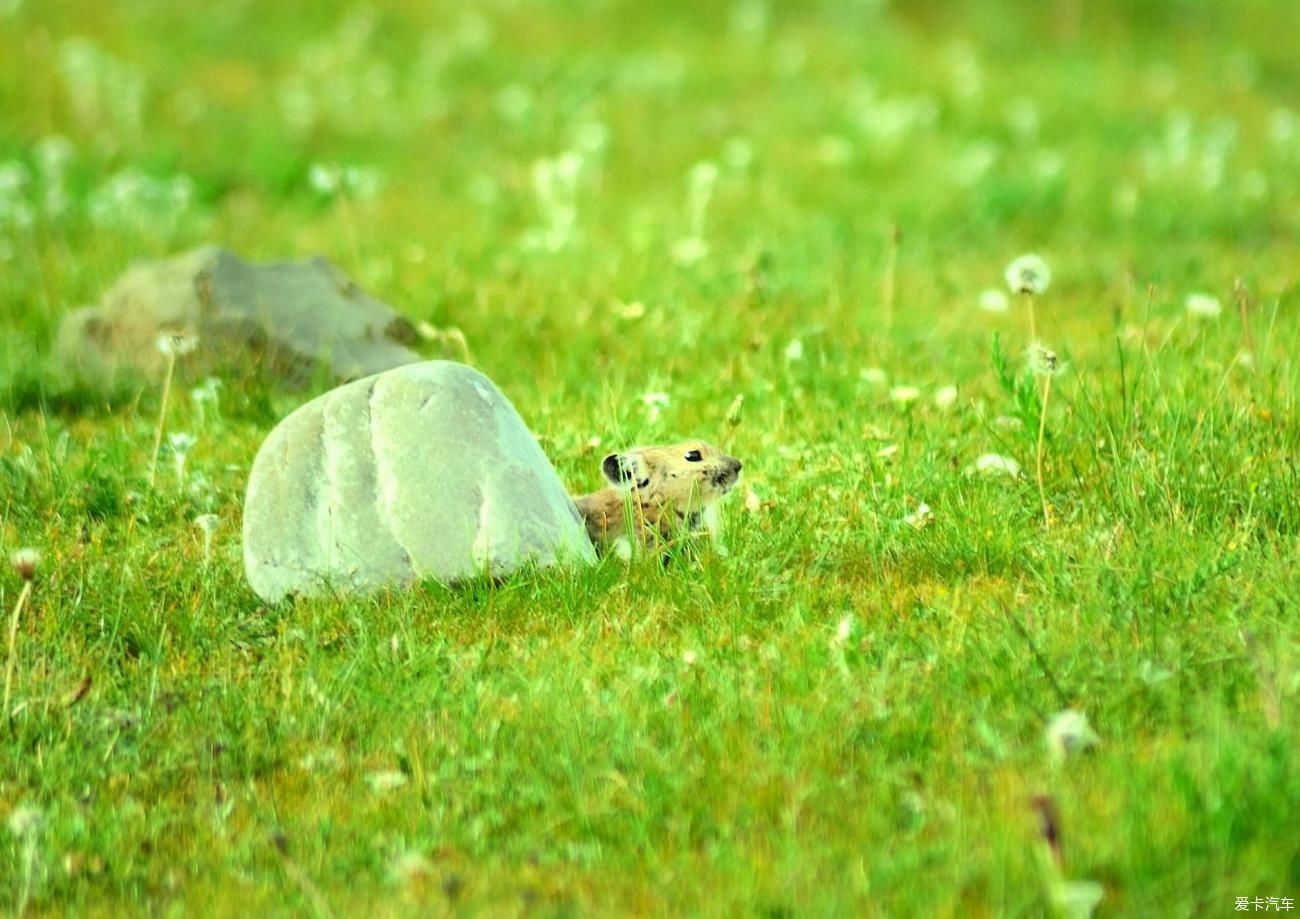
column 700, row 182
column 324, row 179
column 753, row 503
column 996, row 463
column 181, row 444
column 175, row 344
column 654, row 402
column 385, row 780
column 1043, row 361
column 207, row 524
column 1008, row 423
column 206, row 394
column 24, row 563
column 24, row 820
column 874, row 375
column 1028, row 274
column 920, row 518
column 993, row 300
column 844, row 630
column 631, row 311
column 734, row 410
column 946, row 398
column 794, row 350
column 904, row 395
column 689, row 658
column 1203, row 306
column 1069, row 733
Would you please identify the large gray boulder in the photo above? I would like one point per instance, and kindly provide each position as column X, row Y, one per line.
column 285, row 320
column 425, row 471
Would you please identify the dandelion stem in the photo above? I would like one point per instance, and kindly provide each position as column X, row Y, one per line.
column 162, row 416
column 1042, row 429
column 12, row 657
column 1029, row 304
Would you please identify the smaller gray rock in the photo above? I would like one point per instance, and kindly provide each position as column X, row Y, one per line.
column 424, row 471
column 278, row 319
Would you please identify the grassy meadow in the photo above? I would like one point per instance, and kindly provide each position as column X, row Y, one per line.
column 636, row 212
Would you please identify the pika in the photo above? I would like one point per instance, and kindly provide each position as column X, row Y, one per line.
column 660, row 492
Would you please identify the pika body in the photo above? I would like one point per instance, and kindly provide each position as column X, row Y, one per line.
column 657, row 495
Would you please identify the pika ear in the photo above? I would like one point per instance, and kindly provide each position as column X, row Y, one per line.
column 622, row 469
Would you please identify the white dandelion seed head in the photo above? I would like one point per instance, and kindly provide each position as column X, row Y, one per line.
column 385, row 780
column 1203, row 306
column 1043, row 361
column 181, row 442
column 920, row 518
column 25, row 820
column 25, row 562
column 1028, row 274
column 993, row 300
column 1069, row 733
column 997, row 464
column 175, row 344
column 904, row 395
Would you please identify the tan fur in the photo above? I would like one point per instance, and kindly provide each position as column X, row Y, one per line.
column 666, row 494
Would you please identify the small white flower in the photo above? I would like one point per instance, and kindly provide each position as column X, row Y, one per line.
column 689, row 658
column 1043, row 361
column 993, row 300
column 181, row 444
column 946, row 397
column 24, row 820
column 734, row 410
column 175, row 344
column 1077, row 899
column 690, row 250
column 1069, row 733
column 794, row 350
column 385, row 780
column 325, row 179
column 1028, row 274
column 24, row 563
column 904, row 395
column 654, row 402
column 921, row 517
column 995, row 463
column 876, row 376
column 630, row 311
column 844, row 630
column 410, row 866
column 207, row 524
column 753, row 503
column 1203, row 306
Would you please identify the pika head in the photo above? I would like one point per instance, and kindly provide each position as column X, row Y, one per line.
column 685, row 476
column 672, row 489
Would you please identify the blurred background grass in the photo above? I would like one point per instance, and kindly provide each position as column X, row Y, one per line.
column 614, row 200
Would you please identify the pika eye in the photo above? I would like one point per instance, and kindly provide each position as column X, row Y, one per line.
column 694, row 456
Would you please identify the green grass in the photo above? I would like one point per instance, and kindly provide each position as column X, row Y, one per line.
column 846, row 714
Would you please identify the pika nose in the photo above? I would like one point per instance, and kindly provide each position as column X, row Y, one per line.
column 737, row 465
